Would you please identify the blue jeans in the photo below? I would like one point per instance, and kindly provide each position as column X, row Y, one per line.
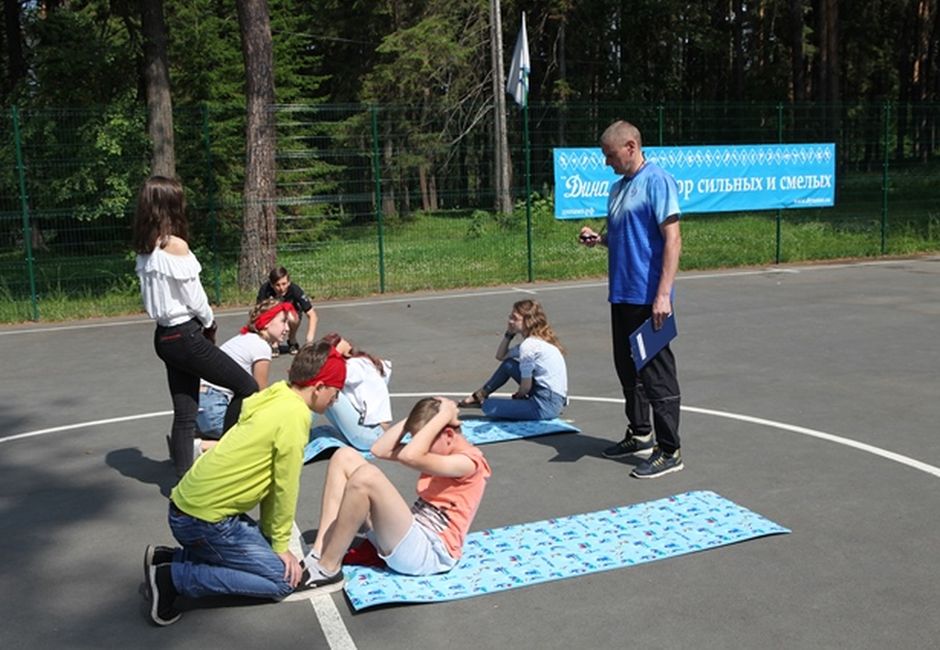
column 211, row 418
column 348, row 421
column 542, row 404
column 228, row 557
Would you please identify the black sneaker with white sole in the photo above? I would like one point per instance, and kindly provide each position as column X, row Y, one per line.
column 162, row 596
column 631, row 445
column 659, row 464
column 155, row 556
column 315, row 581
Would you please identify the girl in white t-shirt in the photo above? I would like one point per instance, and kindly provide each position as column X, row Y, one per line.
column 363, row 410
column 537, row 364
column 251, row 349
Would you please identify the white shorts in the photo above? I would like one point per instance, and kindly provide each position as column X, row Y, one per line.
column 420, row 552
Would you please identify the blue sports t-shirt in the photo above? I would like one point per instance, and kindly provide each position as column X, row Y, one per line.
column 636, row 208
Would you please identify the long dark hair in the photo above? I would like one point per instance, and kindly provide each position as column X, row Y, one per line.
column 161, row 212
column 334, row 338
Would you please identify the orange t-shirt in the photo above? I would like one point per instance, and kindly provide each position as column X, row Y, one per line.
column 448, row 505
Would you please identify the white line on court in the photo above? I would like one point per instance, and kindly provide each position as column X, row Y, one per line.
column 337, row 636
column 329, row 618
column 83, row 425
column 813, row 433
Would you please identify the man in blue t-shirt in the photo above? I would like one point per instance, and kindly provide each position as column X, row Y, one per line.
column 644, row 244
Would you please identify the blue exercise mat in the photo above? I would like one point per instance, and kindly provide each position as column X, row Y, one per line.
column 477, row 431
column 531, row 553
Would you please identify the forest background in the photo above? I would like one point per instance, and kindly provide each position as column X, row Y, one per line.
column 356, row 143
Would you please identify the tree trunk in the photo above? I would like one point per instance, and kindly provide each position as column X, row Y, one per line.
column 259, row 223
column 389, row 205
column 502, row 188
column 432, row 192
column 920, row 81
column 157, row 82
column 423, row 185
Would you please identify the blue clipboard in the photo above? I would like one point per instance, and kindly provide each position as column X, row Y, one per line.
column 645, row 342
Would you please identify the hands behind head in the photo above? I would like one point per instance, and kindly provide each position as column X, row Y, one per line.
column 449, row 407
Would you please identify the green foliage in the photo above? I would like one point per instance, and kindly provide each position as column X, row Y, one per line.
column 478, row 224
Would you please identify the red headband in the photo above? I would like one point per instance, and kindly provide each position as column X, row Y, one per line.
column 266, row 317
column 332, row 373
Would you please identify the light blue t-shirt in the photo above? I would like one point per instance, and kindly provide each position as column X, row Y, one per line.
column 636, row 208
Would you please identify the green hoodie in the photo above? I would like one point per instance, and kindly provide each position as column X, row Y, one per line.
column 258, row 461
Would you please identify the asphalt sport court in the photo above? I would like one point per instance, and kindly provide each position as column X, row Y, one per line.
column 809, row 396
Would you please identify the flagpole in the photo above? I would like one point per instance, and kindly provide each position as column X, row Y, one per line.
column 528, row 184
column 518, row 86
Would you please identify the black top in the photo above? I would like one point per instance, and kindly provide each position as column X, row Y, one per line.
column 294, row 295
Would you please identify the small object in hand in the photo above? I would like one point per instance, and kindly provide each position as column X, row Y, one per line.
column 209, row 332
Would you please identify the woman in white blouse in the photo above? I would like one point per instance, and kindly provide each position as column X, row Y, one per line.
column 363, row 409
column 173, row 296
column 537, row 364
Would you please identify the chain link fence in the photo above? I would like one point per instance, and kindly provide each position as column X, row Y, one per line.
column 400, row 198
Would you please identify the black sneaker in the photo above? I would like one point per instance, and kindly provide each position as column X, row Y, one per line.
column 155, row 556
column 631, row 445
column 162, row 596
column 314, row 582
column 659, row 464
column 293, row 348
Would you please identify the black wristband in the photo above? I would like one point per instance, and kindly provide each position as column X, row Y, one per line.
column 509, row 335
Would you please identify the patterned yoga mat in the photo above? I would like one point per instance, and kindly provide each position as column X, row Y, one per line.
column 530, row 553
column 477, row 431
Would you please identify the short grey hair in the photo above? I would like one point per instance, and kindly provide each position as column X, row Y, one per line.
column 621, row 132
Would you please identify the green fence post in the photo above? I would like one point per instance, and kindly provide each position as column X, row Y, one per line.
column 779, row 212
column 210, row 204
column 884, row 180
column 660, row 122
column 377, row 174
column 24, row 207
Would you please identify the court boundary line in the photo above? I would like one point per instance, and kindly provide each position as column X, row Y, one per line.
column 331, row 621
column 774, row 424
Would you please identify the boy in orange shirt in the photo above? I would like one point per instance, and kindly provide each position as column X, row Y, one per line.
column 423, row 539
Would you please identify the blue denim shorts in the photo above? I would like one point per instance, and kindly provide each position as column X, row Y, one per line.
column 211, row 417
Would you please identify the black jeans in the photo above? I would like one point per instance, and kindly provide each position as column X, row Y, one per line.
column 655, row 387
column 189, row 356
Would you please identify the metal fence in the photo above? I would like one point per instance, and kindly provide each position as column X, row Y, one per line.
column 400, row 198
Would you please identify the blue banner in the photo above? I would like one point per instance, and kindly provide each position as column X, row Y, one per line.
column 717, row 178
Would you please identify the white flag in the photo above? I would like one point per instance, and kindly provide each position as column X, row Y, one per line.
column 517, row 83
